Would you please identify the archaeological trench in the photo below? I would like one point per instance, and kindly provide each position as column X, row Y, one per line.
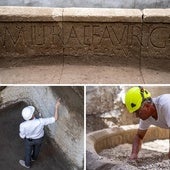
column 84, row 45
column 63, row 146
column 111, row 129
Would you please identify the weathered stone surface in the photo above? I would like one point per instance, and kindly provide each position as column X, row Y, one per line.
column 114, row 32
column 28, row 75
column 31, row 14
column 156, row 42
column 30, row 39
column 115, row 39
column 119, row 40
column 103, row 99
column 156, row 15
column 101, row 15
column 110, row 97
column 154, row 75
column 81, row 74
column 105, row 109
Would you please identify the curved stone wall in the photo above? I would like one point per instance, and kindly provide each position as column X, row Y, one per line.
column 68, row 131
column 91, row 3
column 127, row 37
column 107, row 138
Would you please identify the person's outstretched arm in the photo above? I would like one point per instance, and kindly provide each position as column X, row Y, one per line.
column 56, row 109
column 137, row 142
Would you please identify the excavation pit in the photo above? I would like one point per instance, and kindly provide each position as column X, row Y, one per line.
column 63, row 145
column 100, row 155
column 12, row 146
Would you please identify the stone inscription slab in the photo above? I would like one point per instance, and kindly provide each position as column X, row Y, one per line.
column 116, row 39
column 156, row 41
column 31, row 38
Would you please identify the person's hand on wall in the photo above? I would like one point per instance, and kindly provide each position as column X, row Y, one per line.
column 58, row 102
column 56, row 108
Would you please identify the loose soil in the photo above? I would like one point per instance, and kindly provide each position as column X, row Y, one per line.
column 152, row 156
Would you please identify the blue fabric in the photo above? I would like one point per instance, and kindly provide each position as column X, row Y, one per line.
column 32, row 149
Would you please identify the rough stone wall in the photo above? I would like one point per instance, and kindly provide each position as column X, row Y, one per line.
column 91, row 3
column 68, row 131
column 105, row 107
column 101, row 99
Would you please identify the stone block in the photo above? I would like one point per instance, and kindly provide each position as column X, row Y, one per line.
column 118, row 34
column 155, row 41
column 155, row 133
column 116, row 140
column 156, row 15
column 163, row 133
column 101, row 15
column 125, row 134
column 32, row 14
column 119, row 40
column 129, row 136
column 33, row 38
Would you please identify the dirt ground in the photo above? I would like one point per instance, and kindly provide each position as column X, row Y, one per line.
column 153, row 156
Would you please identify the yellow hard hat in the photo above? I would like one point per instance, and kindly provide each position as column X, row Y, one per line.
column 134, row 98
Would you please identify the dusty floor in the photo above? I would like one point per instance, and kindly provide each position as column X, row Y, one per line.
column 153, row 156
column 81, row 70
column 12, row 146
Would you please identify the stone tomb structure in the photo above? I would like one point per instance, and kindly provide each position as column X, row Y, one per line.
column 109, row 138
column 114, row 37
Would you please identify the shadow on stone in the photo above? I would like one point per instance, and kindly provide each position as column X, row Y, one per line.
column 89, row 60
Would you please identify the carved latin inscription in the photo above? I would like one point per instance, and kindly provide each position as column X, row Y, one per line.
column 30, row 34
column 106, row 38
column 159, row 37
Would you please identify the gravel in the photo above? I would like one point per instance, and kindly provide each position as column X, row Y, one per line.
column 153, row 156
